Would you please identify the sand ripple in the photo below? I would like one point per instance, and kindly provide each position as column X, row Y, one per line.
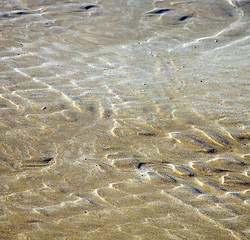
column 124, row 120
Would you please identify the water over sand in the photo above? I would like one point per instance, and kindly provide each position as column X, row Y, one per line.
column 124, row 119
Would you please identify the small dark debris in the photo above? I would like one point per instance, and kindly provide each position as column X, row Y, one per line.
column 146, row 134
column 34, row 221
column 244, row 183
column 140, row 164
column 22, row 13
column 241, row 138
column 91, row 109
column 88, row 7
column 183, row 18
column 218, row 170
column 160, row 11
column 48, row 24
column 211, row 150
column 44, row 108
column 107, row 113
column 191, row 174
column 47, row 160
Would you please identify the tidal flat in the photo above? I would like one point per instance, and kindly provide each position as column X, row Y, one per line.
column 124, row 119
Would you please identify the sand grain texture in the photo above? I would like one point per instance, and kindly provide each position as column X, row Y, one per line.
column 124, row 120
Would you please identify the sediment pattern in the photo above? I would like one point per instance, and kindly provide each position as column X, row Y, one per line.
column 124, row 120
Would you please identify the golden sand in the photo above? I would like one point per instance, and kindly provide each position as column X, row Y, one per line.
column 124, row 119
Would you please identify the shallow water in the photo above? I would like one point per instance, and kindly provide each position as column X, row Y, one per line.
column 124, row 119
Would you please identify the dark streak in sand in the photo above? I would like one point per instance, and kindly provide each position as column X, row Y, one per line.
column 209, row 150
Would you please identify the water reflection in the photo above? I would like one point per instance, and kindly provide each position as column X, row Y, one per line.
column 124, row 119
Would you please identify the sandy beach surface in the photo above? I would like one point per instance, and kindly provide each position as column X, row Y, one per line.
column 124, row 119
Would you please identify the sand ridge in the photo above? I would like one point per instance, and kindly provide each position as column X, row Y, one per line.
column 124, row 120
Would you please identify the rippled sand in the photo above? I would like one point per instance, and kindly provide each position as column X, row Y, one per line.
column 124, row 119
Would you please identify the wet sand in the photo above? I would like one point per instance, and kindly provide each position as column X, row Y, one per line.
column 124, row 119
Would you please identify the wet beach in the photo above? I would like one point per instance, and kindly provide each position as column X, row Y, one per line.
column 124, row 119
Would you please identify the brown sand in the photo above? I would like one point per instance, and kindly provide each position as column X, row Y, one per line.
column 124, row 119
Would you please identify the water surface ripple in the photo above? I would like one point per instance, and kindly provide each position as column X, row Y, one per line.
column 124, row 119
